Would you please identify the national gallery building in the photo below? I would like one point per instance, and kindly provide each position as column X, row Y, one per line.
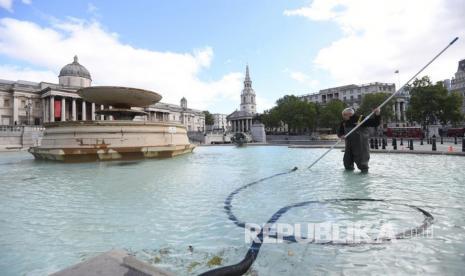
column 31, row 103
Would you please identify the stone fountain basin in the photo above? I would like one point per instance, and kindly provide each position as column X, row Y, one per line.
column 121, row 97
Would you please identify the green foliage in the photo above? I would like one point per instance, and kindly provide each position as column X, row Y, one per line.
column 209, row 121
column 431, row 103
column 450, row 109
column 371, row 101
column 330, row 114
column 270, row 118
column 297, row 114
column 292, row 111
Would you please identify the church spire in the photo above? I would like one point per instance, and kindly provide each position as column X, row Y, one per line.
column 247, row 80
column 248, row 95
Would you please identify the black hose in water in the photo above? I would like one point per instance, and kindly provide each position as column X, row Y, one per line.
column 243, row 266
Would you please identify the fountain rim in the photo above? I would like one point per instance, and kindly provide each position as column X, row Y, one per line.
column 108, row 95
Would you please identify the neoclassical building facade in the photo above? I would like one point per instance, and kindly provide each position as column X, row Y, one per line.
column 32, row 103
column 352, row 95
column 458, row 82
column 242, row 120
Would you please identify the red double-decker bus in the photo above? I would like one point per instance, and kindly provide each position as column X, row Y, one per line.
column 455, row 132
column 405, row 132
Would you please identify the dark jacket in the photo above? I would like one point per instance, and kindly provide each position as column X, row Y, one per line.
column 348, row 125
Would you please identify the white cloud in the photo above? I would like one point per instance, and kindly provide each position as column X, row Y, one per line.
column 380, row 37
column 264, row 104
column 91, row 8
column 9, row 72
column 304, row 79
column 112, row 62
column 7, row 5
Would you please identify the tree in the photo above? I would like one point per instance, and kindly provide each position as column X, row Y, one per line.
column 330, row 114
column 450, row 109
column 431, row 103
column 270, row 118
column 209, row 120
column 371, row 101
column 424, row 102
column 297, row 114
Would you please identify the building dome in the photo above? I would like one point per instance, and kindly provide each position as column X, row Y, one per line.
column 74, row 75
column 183, row 103
column 75, row 70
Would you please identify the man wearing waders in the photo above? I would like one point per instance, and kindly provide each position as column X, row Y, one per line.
column 357, row 146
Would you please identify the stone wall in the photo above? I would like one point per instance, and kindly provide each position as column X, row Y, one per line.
column 258, row 133
column 16, row 137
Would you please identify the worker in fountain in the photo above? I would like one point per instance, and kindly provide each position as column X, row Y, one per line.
column 357, row 147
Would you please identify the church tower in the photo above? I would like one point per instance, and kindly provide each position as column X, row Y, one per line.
column 248, row 95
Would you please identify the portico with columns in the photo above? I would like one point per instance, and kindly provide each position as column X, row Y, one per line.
column 400, row 108
column 66, row 106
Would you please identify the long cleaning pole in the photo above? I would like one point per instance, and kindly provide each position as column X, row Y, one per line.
column 381, row 105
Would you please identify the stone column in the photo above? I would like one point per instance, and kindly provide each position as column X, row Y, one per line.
column 84, row 110
column 63, row 109
column 93, row 112
column 401, row 109
column 110, row 117
column 44, row 111
column 52, row 108
column 102, row 117
column 404, row 110
column 15, row 110
column 398, row 111
column 73, row 110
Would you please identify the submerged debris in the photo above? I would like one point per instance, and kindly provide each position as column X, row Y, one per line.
column 216, row 260
column 192, row 266
column 156, row 259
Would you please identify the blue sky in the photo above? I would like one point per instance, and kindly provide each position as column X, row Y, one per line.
column 199, row 49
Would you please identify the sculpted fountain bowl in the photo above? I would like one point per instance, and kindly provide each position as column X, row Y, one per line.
column 118, row 138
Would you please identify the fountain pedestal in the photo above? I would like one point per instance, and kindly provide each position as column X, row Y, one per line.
column 121, row 138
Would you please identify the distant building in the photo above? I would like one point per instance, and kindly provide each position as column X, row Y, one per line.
column 32, row 103
column 458, row 83
column 192, row 119
column 26, row 103
column 241, row 120
column 447, row 84
column 220, row 121
column 352, row 95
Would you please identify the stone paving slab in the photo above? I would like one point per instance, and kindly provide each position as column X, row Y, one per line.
column 112, row 263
